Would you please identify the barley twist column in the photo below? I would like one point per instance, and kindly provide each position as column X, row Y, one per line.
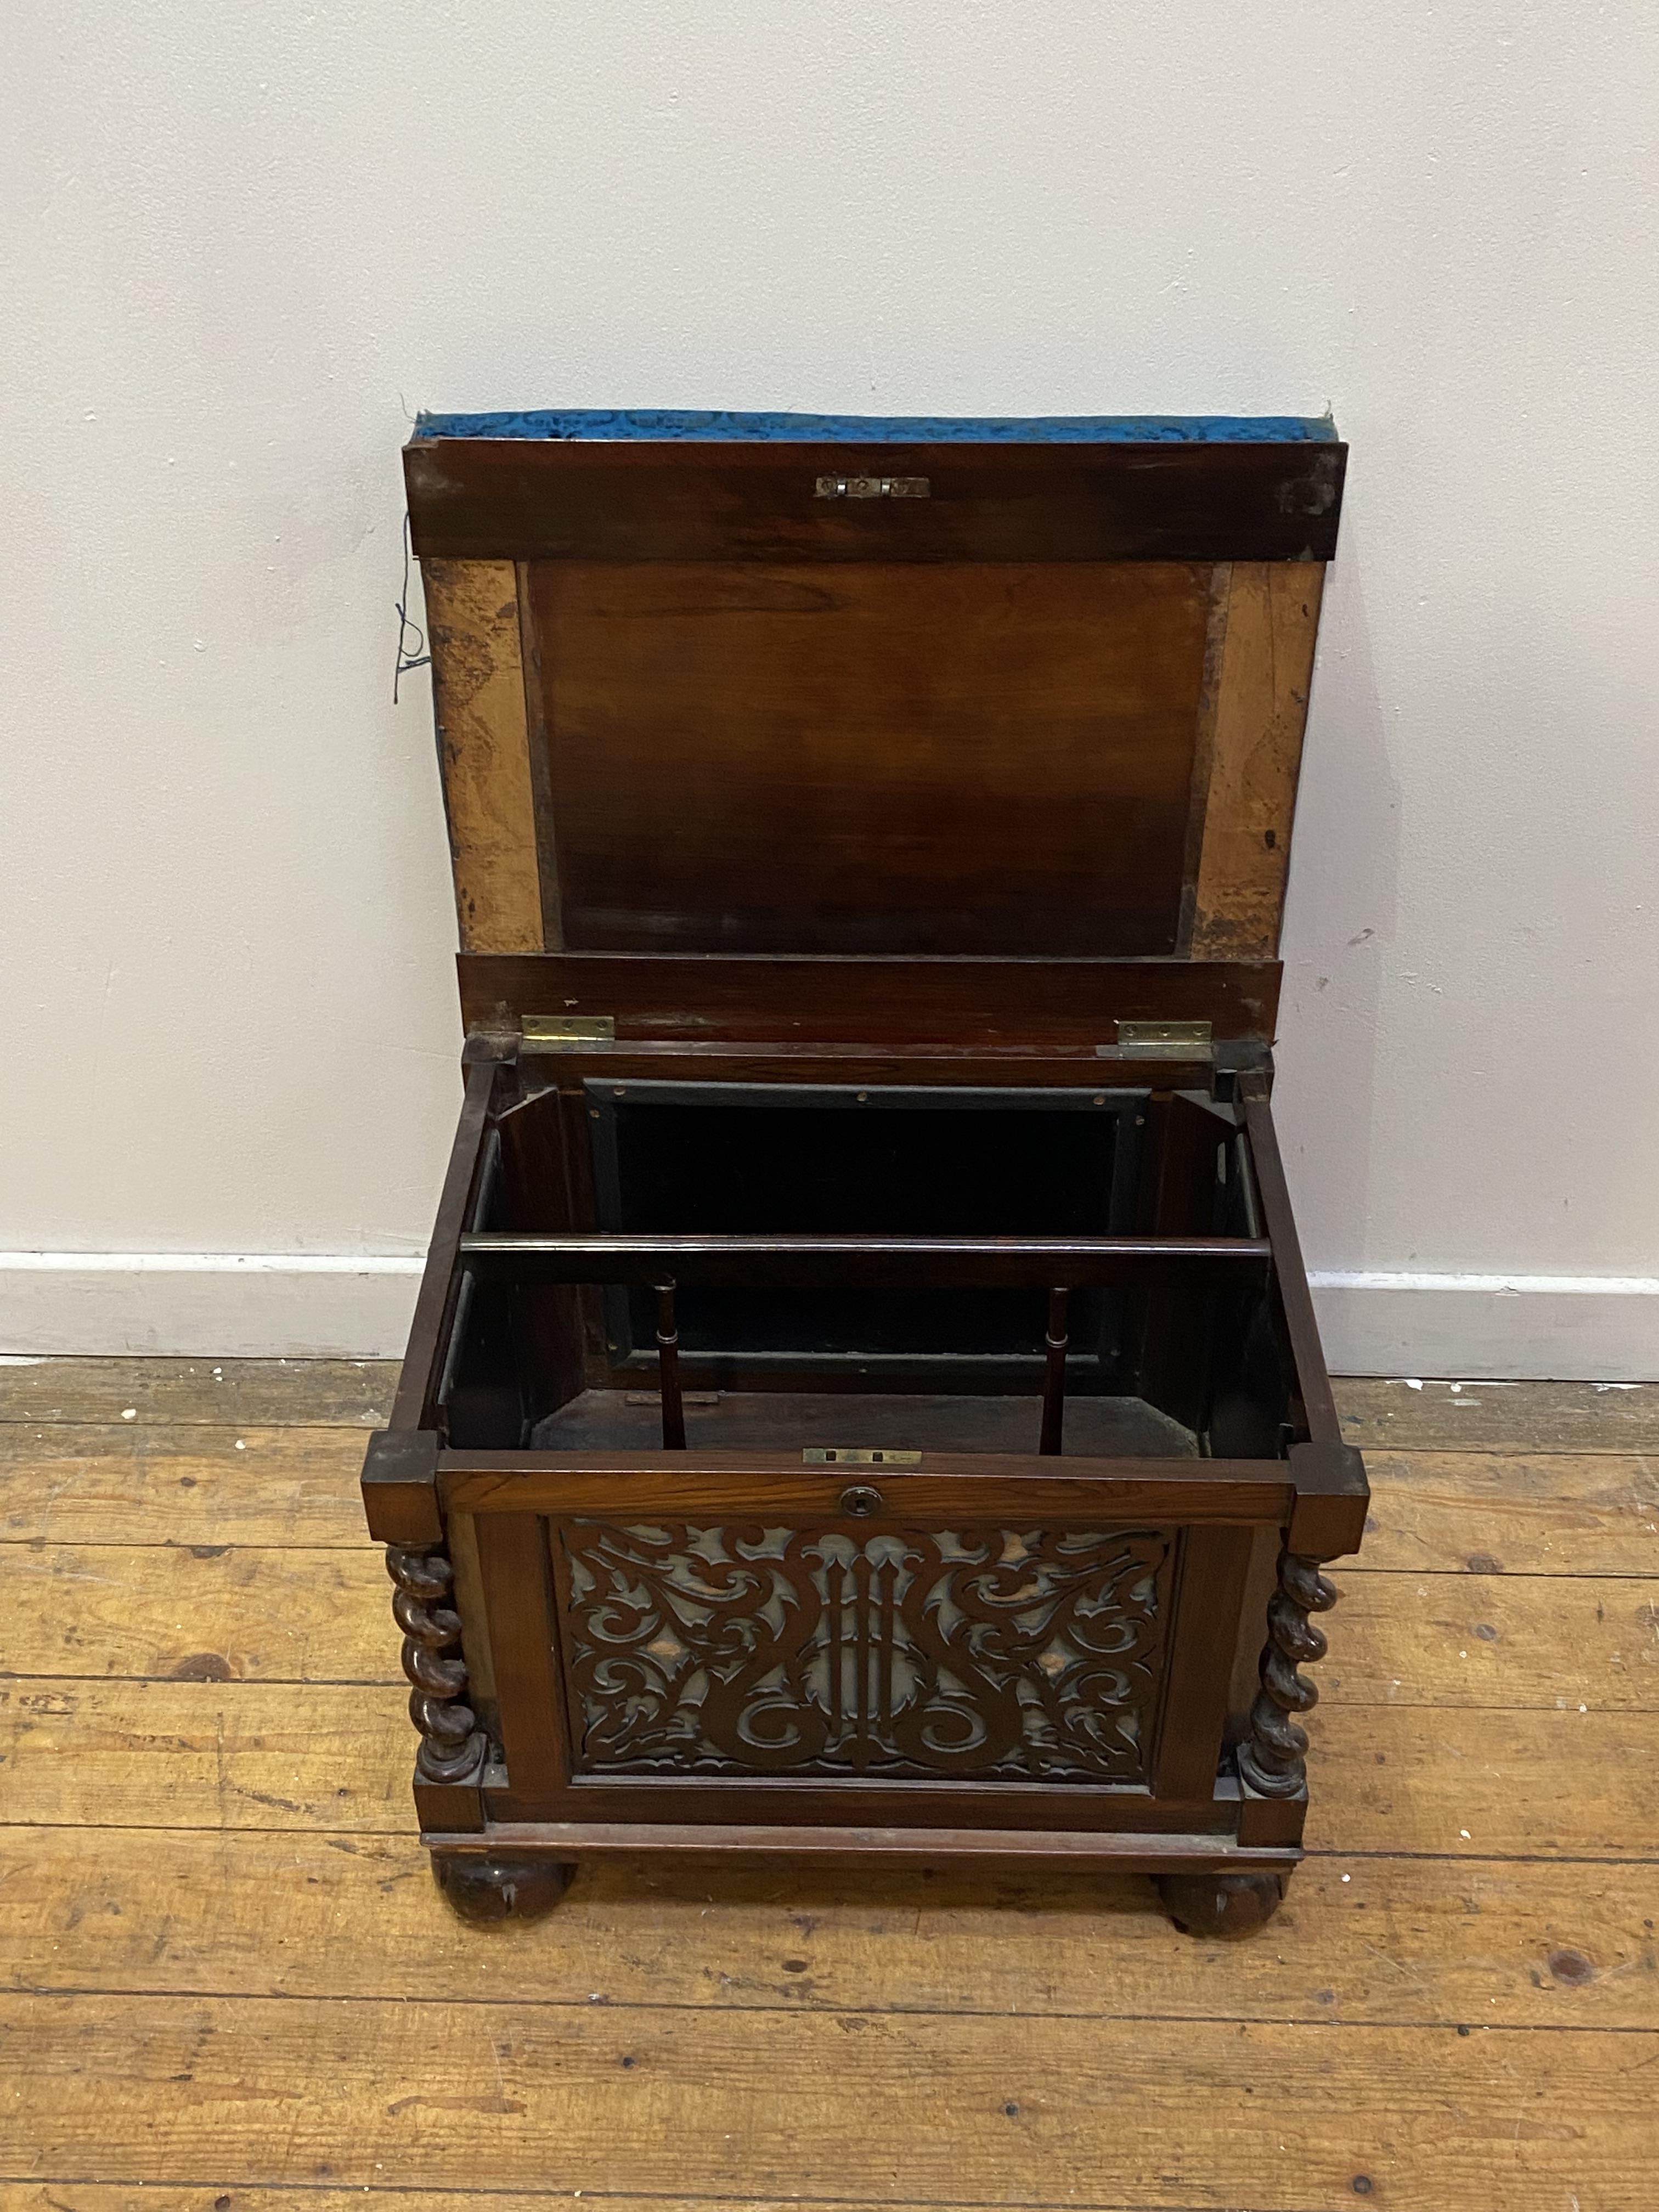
column 450, row 1743
column 1273, row 1758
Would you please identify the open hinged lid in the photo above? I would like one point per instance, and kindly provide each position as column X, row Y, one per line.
column 764, row 686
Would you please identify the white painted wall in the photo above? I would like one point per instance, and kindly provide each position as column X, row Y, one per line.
column 244, row 245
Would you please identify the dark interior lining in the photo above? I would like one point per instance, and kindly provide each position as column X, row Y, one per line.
column 1169, row 1368
column 735, row 1160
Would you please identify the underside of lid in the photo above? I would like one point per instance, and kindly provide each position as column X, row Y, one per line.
column 741, row 685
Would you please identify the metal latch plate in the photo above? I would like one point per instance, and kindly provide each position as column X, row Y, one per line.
column 872, row 488
column 840, row 1455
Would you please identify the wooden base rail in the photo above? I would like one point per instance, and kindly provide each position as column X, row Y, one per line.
column 1050, row 1263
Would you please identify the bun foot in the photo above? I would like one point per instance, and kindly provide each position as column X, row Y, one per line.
column 1225, row 1905
column 483, row 1886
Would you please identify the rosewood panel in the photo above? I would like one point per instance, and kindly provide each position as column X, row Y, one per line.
column 519, row 1599
column 949, row 758
column 1022, row 1004
column 1214, row 1565
column 941, row 1487
column 947, row 1487
column 511, row 498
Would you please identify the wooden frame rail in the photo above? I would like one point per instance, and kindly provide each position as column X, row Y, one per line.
column 886, row 1262
column 662, row 1263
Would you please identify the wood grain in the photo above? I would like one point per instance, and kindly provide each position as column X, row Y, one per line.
column 210, row 1393
column 198, row 1612
column 1262, row 682
column 1015, row 1007
column 78, row 2196
column 682, row 499
column 1475, row 1513
column 207, row 2196
column 483, row 749
column 1496, row 1640
column 648, row 2101
column 206, row 1754
column 1499, row 1417
column 88, row 1484
column 1384, row 1940
column 1482, row 1784
column 956, row 757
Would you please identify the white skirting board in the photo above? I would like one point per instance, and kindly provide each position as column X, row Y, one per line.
column 1561, row 1328
column 1599, row 1328
column 257, row 1305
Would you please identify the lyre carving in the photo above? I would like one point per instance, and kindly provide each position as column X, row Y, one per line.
column 1272, row 1758
column 450, row 1742
column 1018, row 1654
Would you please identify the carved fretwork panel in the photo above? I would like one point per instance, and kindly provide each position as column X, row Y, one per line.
column 1008, row 1654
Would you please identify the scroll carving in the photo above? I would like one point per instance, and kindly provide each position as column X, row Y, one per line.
column 1001, row 1653
column 450, row 1742
column 1272, row 1758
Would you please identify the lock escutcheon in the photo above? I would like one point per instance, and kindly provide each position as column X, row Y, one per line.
column 861, row 1499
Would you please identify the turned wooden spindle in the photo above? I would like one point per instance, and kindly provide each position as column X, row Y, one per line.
column 1054, row 1375
column 668, row 1364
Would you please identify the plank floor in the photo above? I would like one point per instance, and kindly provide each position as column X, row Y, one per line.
column 227, row 1982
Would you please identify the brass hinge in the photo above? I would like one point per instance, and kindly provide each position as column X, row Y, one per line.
column 567, row 1032
column 1159, row 1041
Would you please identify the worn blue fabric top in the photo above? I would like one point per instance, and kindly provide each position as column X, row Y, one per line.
column 889, row 429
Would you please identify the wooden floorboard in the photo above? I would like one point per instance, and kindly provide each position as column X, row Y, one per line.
column 86, row 1483
column 1475, row 1513
column 317, row 2196
column 1499, row 1417
column 356, row 1393
column 200, row 1612
column 230, row 1984
column 873, row 2106
column 1397, row 1942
